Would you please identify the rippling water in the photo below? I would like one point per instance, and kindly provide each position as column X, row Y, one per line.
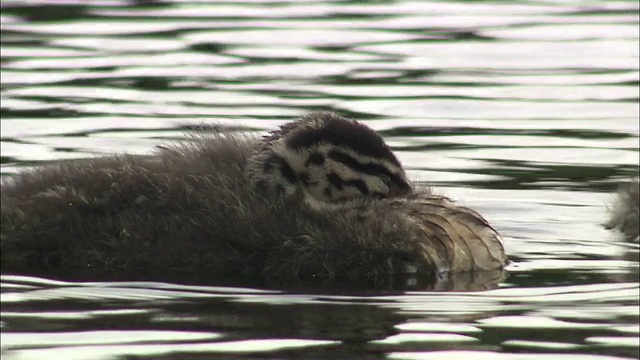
column 526, row 111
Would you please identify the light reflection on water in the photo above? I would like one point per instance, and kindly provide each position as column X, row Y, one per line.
column 158, row 318
column 526, row 112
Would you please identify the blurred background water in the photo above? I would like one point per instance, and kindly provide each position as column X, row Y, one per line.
column 524, row 110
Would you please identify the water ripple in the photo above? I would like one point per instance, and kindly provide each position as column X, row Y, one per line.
column 525, row 111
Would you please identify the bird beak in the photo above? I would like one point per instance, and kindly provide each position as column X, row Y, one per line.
column 396, row 190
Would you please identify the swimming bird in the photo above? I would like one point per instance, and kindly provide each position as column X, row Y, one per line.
column 321, row 199
column 624, row 213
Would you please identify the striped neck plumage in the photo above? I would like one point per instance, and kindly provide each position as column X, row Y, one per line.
column 329, row 160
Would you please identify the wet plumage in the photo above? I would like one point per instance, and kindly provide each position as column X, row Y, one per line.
column 224, row 205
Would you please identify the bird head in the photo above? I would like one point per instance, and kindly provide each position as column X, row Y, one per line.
column 328, row 159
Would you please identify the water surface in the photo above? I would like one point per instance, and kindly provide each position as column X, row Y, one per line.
column 524, row 110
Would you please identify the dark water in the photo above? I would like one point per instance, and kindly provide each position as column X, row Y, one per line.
column 524, row 110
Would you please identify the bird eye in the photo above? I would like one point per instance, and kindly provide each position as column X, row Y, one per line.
column 386, row 180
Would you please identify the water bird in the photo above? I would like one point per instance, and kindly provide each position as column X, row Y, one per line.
column 320, row 199
column 624, row 213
